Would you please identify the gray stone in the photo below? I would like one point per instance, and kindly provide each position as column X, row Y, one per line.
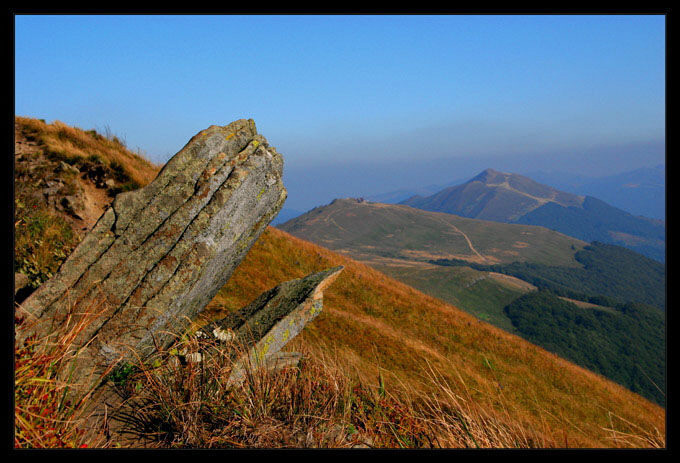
column 51, row 188
column 71, row 204
column 271, row 321
column 281, row 360
column 65, row 167
column 158, row 255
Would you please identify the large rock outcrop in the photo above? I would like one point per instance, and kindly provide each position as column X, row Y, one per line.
column 158, row 255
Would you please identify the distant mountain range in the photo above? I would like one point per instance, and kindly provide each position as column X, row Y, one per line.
column 513, row 198
column 396, row 196
column 640, row 191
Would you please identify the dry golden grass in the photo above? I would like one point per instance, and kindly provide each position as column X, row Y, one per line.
column 385, row 365
column 71, row 143
column 44, row 415
column 170, row 403
column 328, row 401
column 384, row 325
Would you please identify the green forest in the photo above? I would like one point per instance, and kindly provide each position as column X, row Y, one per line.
column 624, row 341
column 627, row 345
column 609, row 275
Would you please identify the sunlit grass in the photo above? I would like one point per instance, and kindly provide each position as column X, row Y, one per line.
column 72, row 144
column 384, row 366
column 380, row 321
column 43, row 240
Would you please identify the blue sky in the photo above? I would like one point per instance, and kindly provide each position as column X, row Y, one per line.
column 340, row 96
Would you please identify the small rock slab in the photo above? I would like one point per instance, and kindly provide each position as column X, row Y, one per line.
column 271, row 321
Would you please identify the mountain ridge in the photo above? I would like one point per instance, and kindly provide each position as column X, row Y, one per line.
column 513, row 198
column 641, row 191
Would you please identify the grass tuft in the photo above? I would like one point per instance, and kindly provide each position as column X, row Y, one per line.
column 44, row 415
column 43, row 240
column 74, row 145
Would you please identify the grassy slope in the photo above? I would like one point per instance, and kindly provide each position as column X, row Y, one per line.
column 385, row 230
column 471, row 290
column 378, row 321
column 45, row 236
column 61, row 141
column 392, row 238
column 371, row 321
column 626, row 345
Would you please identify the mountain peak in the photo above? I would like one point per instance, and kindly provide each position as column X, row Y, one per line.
column 495, row 195
column 488, row 176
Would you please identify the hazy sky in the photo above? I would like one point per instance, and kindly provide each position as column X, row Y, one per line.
column 360, row 105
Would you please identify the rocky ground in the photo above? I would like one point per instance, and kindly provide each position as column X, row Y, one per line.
column 78, row 193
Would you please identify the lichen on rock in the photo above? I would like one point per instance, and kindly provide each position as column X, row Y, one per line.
column 272, row 320
column 159, row 254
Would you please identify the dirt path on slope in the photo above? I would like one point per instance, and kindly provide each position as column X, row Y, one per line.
column 469, row 243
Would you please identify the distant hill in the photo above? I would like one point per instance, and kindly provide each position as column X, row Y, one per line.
column 400, row 240
column 396, row 196
column 386, row 231
column 596, row 220
column 285, row 215
column 494, row 195
column 641, row 192
column 513, row 198
column 403, row 242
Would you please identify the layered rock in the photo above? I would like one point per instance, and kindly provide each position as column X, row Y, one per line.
column 271, row 321
column 158, row 255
